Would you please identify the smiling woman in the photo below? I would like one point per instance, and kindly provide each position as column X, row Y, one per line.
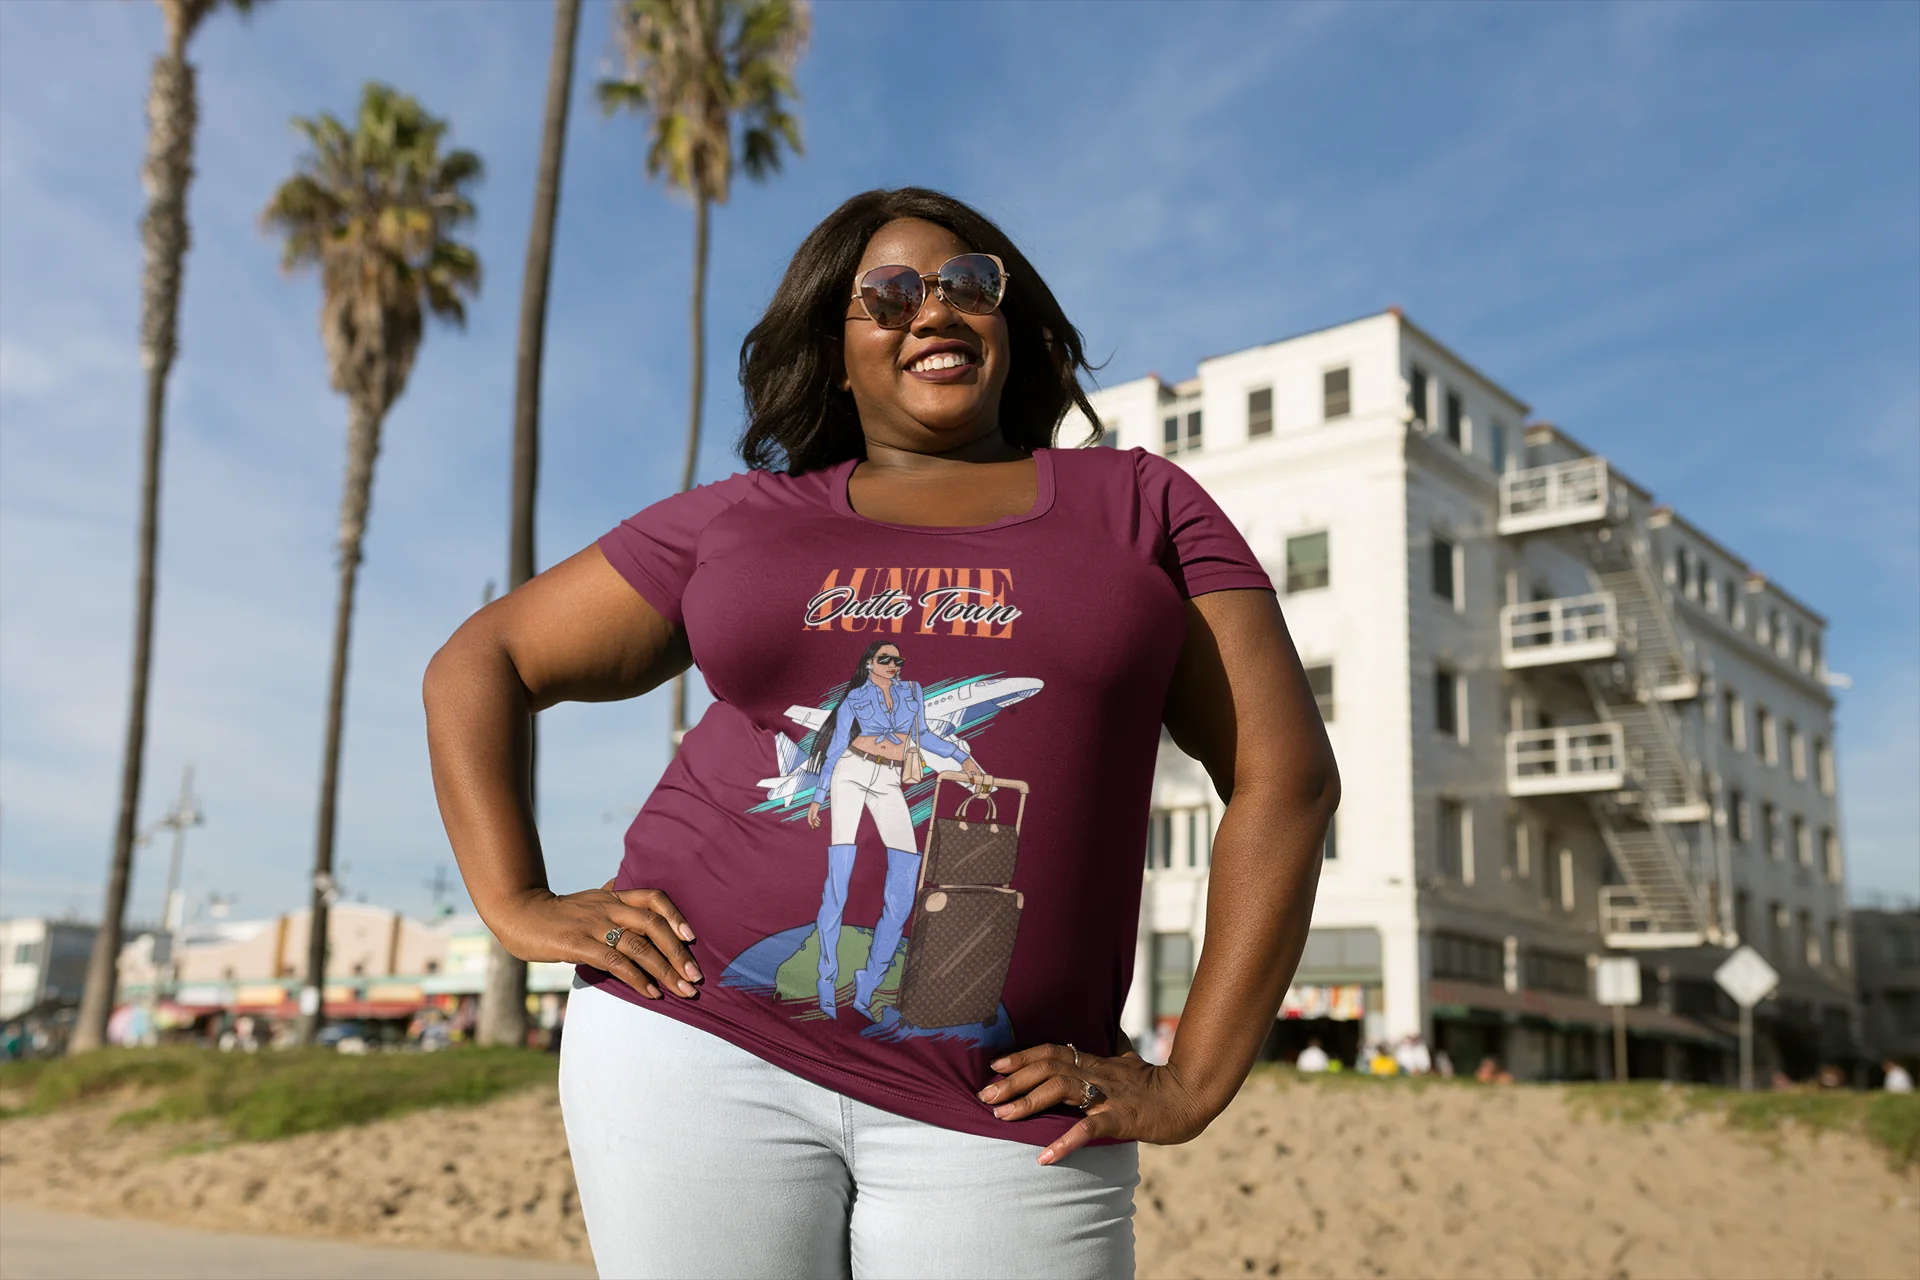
column 891, row 972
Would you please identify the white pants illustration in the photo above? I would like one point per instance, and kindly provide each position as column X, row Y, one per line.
column 860, row 786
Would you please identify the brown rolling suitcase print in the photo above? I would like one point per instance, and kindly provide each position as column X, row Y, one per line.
column 965, row 917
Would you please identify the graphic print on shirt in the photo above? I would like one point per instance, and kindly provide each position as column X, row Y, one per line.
column 880, row 747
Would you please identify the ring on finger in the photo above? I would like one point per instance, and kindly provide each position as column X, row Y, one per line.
column 613, row 936
column 1076, row 1056
column 1089, row 1094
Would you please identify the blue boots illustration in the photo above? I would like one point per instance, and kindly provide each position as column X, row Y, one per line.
column 903, row 877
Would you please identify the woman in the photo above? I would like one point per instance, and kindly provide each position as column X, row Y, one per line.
column 902, row 395
column 860, row 773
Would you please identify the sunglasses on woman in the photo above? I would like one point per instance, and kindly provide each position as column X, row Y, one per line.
column 890, row 660
column 970, row 282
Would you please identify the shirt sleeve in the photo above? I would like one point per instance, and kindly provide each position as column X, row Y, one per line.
column 836, row 747
column 1204, row 552
column 657, row 550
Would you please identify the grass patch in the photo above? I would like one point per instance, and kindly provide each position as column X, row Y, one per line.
column 1889, row 1121
column 260, row 1096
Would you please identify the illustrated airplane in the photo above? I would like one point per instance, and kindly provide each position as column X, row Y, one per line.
column 968, row 704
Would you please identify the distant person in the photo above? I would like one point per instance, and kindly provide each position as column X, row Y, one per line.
column 1442, row 1064
column 1491, row 1072
column 905, row 519
column 1383, row 1062
column 1898, row 1080
column 1312, row 1059
column 1412, row 1056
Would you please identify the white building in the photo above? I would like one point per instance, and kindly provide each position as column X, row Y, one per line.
column 43, row 963
column 1568, row 722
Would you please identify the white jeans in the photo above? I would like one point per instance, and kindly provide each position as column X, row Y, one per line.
column 859, row 785
column 696, row 1158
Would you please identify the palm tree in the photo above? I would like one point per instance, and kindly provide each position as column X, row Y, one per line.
column 503, row 1011
column 172, row 114
column 702, row 71
column 372, row 208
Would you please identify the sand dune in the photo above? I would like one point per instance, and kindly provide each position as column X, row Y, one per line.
column 1326, row 1178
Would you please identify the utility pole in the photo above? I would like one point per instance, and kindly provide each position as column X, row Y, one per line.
column 185, row 813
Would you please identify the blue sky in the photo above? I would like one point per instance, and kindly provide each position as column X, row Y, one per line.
column 1688, row 234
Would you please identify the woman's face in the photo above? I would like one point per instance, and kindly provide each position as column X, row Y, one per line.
column 919, row 409
column 885, row 663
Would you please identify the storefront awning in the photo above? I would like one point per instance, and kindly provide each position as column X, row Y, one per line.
column 1563, row 1010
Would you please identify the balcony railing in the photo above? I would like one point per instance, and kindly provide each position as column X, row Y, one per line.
column 1572, row 629
column 1628, row 924
column 1586, row 757
column 1561, row 493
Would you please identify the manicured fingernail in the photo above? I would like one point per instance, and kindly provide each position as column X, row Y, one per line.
column 986, row 1094
column 1000, row 1064
column 1046, row 1157
column 653, row 992
column 1001, row 1112
column 686, row 931
column 693, row 971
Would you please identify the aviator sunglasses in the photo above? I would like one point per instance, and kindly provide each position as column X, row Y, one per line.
column 970, row 282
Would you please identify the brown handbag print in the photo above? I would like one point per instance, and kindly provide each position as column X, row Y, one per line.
column 973, row 847
column 913, row 765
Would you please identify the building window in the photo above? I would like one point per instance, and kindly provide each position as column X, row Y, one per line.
column 1193, row 433
column 1809, row 940
column 1837, row 945
column 1781, row 643
column 1418, row 390
column 1738, row 818
column 1735, row 715
column 1742, row 910
column 1320, row 680
column 1760, row 631
column 1823, row 762
column 1830, row 849
column 1455, row 847
column 1172, row 972
column 1307, row 567
column 1336, row 393
column 1170, row 435
column 1447, row 717
column 1802, row 841
column 1330, row 848
column 1770, row 827
column 1160, row 839
column 1711, row 598
column 1466, row 959
column 1781, row 924
column 1444, row 584
column 1519, row 853
column 1456, row 421
column 1260, row 412
column 1199, row 838
column 1499, row 443
column 27, row 952
column 1769, row 735
column 1814, row 667
column 1796, row 752
column 1736, row 607
column 1110, row 435
column 1548, row 971
column 1565, row 886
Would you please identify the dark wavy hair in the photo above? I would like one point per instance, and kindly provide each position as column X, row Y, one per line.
column 817, row 758
column 799, row 420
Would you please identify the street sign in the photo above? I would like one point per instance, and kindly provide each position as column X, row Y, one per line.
column 1616, row 981
column 1746, row 977
column 1749, row 980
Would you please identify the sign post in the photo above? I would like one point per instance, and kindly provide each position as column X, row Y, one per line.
column 1749, row 980
column 1616, row 982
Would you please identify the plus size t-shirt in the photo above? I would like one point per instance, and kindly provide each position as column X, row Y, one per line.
column 1042, row 645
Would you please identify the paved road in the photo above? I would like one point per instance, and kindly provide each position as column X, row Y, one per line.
column 38, row 1245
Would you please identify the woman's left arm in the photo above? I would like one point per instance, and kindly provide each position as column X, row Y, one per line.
column 1240, row 704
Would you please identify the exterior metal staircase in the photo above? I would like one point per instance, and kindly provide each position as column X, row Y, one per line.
column 1650, row 666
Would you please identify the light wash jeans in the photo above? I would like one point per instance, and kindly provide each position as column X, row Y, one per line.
column 696, row 1158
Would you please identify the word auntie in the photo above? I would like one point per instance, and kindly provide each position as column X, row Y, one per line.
column 958, row 602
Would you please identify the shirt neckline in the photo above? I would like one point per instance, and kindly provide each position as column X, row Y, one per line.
column 1042, row 500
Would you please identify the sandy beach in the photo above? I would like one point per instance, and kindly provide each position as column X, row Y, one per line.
column 1328, row 1178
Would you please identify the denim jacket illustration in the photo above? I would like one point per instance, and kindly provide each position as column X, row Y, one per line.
column 865, row 705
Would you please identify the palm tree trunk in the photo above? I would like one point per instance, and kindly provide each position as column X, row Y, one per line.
column 701, row 205
column 363, row 447
column 503, row 1010
column 171, row 116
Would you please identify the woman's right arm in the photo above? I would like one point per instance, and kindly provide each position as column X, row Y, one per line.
column 576, row 633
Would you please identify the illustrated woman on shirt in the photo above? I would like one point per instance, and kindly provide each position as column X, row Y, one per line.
column 905, row 393
column 858, row 756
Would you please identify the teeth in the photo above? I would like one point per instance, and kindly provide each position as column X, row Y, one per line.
column 941, row 360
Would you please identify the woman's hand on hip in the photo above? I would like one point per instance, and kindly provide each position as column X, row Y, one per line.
column 648, row 951
column 1136, row 1100
column 813, row 814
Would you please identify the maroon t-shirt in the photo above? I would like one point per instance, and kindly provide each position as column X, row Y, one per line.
column 1040, row 646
